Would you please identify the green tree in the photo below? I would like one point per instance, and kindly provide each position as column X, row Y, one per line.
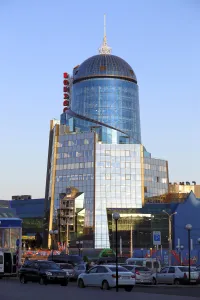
column 85, row 258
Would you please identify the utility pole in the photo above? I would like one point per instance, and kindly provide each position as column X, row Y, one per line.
column 170, row 240
column 170, row 234
column 67, row 238
column 120, row 246
column 131, row 242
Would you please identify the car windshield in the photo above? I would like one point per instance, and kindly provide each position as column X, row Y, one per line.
column 49, row 265
column 130, row 268
column 135, row 262
column 66, row 266
column 120, row 269
column 82, row 267
column 155, row 264
column 149, row 264
column 142, row 269
column 184, row 269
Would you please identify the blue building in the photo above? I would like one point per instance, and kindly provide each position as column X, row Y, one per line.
column 188, row 213
column 184, row 212
column 30, row 211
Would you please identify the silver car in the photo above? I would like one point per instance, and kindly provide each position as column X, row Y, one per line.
column 142, row 274
column 175, row 275
column 79, row 269
column 69, row 269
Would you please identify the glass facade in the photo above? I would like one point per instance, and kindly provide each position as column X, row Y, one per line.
column 140, row 223
column 112, row 101
column 98, row 149
column 155, row 177
column 75, row 168
column 8, row 237
column 118, row 178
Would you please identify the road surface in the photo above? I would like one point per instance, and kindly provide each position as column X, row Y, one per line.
column 11, row 289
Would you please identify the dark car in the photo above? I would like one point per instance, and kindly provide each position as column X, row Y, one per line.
column 68, row 259
column 43, row 272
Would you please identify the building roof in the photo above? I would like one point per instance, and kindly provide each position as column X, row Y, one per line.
column 104, row 66
column 4, row 203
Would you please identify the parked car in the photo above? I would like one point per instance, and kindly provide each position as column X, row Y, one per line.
column 69, row 269
column 175, row 275
column 43, row 272
column 151, row 263
column 65, row 258
column 142, row 274
column 105, row 277
column 197, row 269
column 79, row 269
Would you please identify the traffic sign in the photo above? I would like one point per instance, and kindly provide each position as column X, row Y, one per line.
column 156, row 237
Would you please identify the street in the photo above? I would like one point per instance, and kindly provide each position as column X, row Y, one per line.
column 11, row 289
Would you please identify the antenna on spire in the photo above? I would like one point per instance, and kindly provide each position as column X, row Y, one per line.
column 104, row 25
column 105, row 49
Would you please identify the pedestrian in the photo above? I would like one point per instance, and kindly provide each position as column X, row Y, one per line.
column 87, row 266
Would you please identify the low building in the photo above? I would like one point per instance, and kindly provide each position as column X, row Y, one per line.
column 31, row 211
column 10, row 228
column 185, row 187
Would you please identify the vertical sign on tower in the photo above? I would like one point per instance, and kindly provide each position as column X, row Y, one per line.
column 66, row 91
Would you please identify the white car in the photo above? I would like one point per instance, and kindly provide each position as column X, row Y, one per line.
column 176, row 275
column 104, row 276
column 142, row 274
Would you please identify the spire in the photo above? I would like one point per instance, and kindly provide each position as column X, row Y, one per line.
column 105, row 49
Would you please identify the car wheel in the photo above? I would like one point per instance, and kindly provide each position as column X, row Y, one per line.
column 177, row 282
column 64, row 283
column 81, row 284
column 154, row 282
column 42, row 281
column 22, row 279
column 128, row 288
column 105, row 285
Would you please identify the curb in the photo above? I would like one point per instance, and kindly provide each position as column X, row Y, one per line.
column 157, row 286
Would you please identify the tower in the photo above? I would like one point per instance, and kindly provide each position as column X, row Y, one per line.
column 99, row 152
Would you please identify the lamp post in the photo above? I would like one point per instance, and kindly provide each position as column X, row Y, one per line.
column 170, row 233
column 116, row 217
column 198, row 241
column 52, row 234
column 179, row 249
column 188, row 227
column 182, row 247
column 79, row 245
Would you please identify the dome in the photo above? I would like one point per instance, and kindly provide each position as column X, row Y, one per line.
column 104, row 66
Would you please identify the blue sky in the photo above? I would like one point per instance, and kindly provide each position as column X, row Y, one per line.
column 42, row 39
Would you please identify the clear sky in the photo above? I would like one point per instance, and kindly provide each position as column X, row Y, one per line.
column 39, row 40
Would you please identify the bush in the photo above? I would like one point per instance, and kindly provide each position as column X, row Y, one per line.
column 85, row 258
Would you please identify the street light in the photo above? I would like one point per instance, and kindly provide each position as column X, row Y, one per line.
column 170, row 233
column 116, row 217
column 79, row 245
column 188, row 227
column 52, row 234
column 179, row 249
column 198, row 241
